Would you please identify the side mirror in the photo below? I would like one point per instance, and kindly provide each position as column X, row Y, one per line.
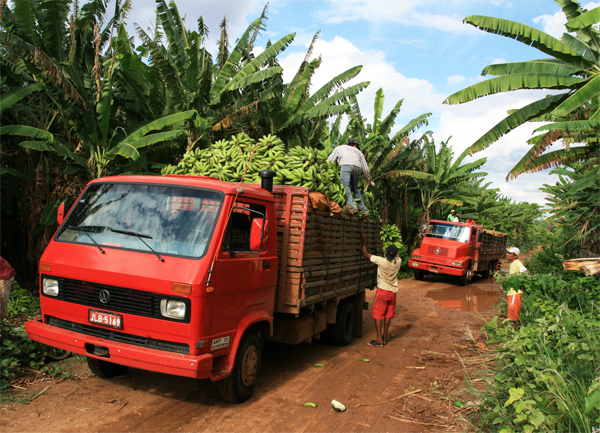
column 259, row 234
column 479, row 236
column 60, row 213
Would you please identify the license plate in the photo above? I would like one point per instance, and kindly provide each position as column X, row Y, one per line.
column 434, row 270
column 105, row 318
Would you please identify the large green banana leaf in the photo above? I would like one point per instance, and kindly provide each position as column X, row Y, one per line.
column 511, row 82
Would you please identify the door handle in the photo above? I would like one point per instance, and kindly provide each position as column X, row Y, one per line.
column 266, row 264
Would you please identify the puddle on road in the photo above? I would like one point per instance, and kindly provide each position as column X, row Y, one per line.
column 465, row 298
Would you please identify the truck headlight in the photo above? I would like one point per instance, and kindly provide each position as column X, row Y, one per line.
column 417, row 257
column 50, row 287
column 456, row 263
column 172, row 309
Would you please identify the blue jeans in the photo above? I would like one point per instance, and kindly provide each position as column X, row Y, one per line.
column 350, row 175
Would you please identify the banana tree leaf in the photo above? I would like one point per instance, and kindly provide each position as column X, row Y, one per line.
column 256, row 77
column 581, row 47
column 584, row 20
column 37, row 145
column 529, row 36
column 576, row 125
column 542, row 66
column 586, row 93
column 26, row 131
column 516, row 119
column 378, row 107
column 387, row 124
column 326, row 89
column 49, row 214
column 409, row 173
column 12, row 97
column 159, row 124
column 229, row 68
column 507, row 83
column 13, row 172
column 128, row 148
column 588, row 181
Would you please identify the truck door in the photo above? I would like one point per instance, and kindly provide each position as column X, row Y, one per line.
column 243, row 279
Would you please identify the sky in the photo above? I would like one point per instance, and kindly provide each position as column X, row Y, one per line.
column 416, row 50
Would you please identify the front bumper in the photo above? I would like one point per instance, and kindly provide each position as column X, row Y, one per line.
column 436, row 269
column 198, row 367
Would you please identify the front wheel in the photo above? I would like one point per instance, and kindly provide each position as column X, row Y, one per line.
column 465, row 279
column 240, row 384
column 53, row 353
column 419, row 274
column 105, row 369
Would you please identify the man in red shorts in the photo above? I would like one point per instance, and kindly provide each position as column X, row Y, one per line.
column 387, row 287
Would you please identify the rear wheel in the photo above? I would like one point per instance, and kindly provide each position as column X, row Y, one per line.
column 240, row 384
column 105, row 369
column 343, row 329
column 419, row 274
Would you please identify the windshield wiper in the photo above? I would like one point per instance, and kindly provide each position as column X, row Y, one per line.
column 87, row 230
column 140, row 237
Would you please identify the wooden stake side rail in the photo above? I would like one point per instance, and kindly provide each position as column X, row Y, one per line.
column 319, row 254
column 493, row 246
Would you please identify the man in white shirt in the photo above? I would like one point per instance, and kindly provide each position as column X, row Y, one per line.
column 352, row 164
column 516, row 266
column 384, row 306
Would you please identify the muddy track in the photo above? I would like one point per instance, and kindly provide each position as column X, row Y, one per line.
column 381, row 395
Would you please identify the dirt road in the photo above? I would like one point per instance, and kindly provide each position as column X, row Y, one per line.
column 374, row 392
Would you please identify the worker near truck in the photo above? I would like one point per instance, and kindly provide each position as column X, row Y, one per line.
column 516, row 266
column 352, row 164
column 384, row 307
column 7, row 276
column 451, row 216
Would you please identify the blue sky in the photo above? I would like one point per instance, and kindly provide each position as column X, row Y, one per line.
column 416, row 50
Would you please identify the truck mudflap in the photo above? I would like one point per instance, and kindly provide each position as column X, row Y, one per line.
column 436, row 269
column 198, row 367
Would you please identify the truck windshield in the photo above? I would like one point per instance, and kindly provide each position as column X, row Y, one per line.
column 448, row 231
column 158, row 219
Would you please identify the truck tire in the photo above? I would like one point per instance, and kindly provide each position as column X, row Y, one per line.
column 419, row 274
column 240, row 384
column 488, row 271
column 343, row 329
column 105, row 369
column 465, row 279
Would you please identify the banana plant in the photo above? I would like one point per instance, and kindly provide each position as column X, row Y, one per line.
column 573, row 66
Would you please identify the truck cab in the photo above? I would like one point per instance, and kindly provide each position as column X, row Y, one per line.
column 458, row 249
column 446, row 248
column 171, row 274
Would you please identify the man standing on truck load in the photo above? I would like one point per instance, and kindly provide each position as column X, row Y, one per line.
column 516, row 266
column 451, row 216
column 352, row 163
column 384, row 307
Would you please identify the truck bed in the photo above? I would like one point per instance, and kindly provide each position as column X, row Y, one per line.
column 493, row 246
column 319, row 254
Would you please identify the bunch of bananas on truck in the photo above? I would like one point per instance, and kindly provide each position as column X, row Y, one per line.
column 241, row 158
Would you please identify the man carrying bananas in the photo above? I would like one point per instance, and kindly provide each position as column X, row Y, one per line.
column 352, row 163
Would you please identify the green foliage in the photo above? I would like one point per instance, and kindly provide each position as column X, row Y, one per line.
column 546, row 373
column 18, row 351
column 390, row 234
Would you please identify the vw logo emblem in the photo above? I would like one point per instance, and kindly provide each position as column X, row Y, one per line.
column 437, row 250
column 104, row 296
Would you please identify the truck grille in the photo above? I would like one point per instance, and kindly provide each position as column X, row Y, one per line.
column 119, row 299
column 109, row 334
column 443, row 252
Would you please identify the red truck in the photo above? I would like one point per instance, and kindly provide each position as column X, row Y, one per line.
column 185, row 275
column 458, row 249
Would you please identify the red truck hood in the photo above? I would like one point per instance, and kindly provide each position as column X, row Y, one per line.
column 442, row 248
column 131, row 269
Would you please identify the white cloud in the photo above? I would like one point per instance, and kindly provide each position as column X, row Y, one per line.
column 468, row 122
column 554, row 25
column 455, row 80
column 339, row 55
column 401, row 12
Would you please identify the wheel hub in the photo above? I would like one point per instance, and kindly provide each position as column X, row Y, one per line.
column 249, row 366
